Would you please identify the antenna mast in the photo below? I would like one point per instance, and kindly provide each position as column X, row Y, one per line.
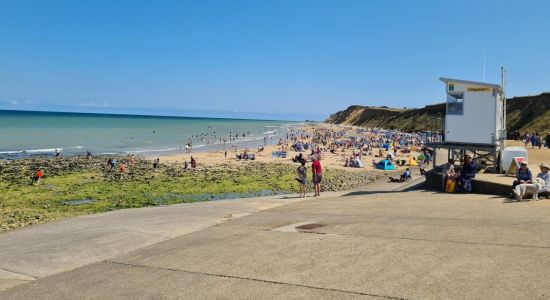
column 503, row 86
column 484, row 63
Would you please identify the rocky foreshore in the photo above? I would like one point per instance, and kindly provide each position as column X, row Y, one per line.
column 20, row 171
column 78, row 185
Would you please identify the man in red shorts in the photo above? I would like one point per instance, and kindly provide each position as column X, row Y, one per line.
column 317, row 175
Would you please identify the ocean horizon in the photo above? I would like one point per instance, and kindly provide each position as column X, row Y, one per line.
column 28, row 133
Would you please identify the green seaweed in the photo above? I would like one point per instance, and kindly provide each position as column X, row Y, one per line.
column 23, row 204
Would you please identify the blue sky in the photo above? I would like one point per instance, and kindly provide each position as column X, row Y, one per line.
column 290, row 59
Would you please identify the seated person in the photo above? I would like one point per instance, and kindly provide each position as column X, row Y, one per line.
column 448, row 172
column 523, row 175
column 545, row 175
column 406, row 175
column 469, row 170
column 298, row 158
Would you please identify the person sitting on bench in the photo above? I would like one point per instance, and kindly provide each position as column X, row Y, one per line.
column 523, row 175
column 545, row 175
column 469, row 170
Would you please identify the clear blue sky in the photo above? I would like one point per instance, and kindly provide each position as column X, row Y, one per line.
column 289, row 59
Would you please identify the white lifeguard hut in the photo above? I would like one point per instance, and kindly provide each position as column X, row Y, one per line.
column 475, row 121
column 474, row 112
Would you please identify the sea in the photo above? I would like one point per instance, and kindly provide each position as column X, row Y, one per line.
column 29, row 133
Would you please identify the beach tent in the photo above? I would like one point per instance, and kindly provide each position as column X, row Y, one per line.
column 385, row 165
column 386, row 146
column 412, row 162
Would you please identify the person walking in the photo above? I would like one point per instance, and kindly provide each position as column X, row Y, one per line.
column 317, row 175
column 121, row 169
column 37, row 176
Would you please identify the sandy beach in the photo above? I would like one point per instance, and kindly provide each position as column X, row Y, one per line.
column 328, row 159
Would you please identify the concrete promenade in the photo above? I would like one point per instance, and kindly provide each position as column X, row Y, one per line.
column 361, row 244
column 42, row 250
column 47, row 249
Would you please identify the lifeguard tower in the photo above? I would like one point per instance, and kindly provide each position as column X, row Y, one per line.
column 475, row 122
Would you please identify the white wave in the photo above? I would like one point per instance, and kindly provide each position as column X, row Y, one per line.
column 48, row 150
column 11, row 152
column 32, row 151
column 152, row 150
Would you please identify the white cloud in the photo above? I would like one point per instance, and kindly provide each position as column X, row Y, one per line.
column 14, row 102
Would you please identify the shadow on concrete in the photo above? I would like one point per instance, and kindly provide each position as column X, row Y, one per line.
column 417, row 186
column 359, row 193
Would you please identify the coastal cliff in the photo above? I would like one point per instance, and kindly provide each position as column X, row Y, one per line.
column 529, row 113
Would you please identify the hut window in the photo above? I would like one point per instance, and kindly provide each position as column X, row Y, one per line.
column 455, row 104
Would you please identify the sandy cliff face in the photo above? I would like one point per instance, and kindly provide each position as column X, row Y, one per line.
column 405, row 119
column 530, row 113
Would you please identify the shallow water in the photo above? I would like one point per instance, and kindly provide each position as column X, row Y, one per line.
column 24, row 134
column 77, row 201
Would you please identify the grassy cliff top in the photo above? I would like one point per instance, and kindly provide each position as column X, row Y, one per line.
column 528, row 113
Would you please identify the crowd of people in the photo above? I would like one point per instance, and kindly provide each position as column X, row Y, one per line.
column 398, row 148
column 535, row 139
